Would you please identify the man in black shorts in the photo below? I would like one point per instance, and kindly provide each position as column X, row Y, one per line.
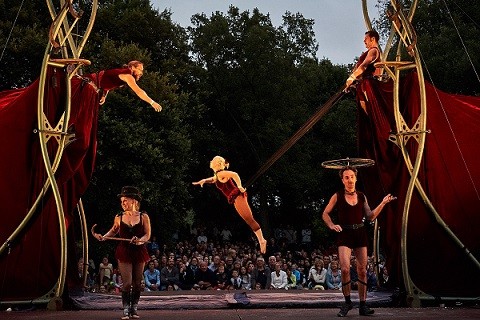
column 352, row 208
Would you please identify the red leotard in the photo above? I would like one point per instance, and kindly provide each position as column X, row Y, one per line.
column 128, row 252
column 230, row 190
column 108, row 79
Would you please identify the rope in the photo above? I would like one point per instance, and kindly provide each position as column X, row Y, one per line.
column 300, row 133
column 461, row 40
column 11, row 30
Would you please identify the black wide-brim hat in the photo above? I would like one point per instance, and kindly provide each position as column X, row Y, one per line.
column 130, row 192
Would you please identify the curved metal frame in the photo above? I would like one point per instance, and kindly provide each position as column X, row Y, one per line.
column 62, row 40
column 403, row 28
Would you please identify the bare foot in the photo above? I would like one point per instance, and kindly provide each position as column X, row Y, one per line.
column 263, row 246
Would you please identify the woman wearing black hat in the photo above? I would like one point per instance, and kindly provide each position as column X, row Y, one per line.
column 132, row 256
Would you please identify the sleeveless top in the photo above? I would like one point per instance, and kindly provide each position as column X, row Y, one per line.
column 108, row 79
column 370, row 70
column 129, row 252
column 229, row 190
column 348, row 214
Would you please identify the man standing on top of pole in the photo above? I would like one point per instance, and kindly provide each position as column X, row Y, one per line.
column 364, row 68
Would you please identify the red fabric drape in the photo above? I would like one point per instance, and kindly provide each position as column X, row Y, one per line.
column 31, row 268
column 448, row 174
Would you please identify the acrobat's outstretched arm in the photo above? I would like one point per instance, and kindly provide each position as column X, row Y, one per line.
column 130, row 80
column 206, row 180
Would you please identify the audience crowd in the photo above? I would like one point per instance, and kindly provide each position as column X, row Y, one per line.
column 223, row 264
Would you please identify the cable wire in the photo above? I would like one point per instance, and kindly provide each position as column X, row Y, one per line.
column 11, row 30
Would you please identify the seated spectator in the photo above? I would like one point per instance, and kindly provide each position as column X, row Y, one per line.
column 261, row 275
column 151, row 277
column 272, row 260
column 91, row 273
column 163, row 262
column 226, row 235
column 300, row 278
column 118, row 281
column 334, row 276
column 326, row 261
column 170, row 275
column 291, row 280
column 235, row 281
column 384, row 277
column 371, row 278
column 205, row 278
column 106, row 272
column 237, row 265
column 156, row 263
column 246, row 278
column 186, row 276
column 317, row 276
column 229, row 265
column 306, row 236
column 215, row 263
column 153, row 247
column 221, row 278
column 278, row 278
column 202, row 238
column 306, row 269
column 102, row 289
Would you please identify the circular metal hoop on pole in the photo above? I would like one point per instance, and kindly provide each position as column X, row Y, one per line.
column 348, row 162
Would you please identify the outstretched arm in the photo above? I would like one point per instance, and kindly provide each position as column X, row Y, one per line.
column 130, row 80
column 206, row 180
column 372, row 214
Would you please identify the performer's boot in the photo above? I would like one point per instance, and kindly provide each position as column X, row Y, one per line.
column 134, row 306
column 126, row 305
column 364, row 310
column 261, row 241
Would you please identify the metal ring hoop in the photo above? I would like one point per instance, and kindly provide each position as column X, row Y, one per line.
column 348, row 162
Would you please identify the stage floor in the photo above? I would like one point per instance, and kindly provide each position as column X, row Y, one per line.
column 249, row 314
column 239, row 305
column 230, row 299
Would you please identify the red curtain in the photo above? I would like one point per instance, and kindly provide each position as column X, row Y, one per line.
column 31, row 267
column 449, row 174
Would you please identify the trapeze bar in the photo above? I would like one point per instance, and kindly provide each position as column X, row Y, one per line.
column 63, row 62
column 54, row 133
column 400, row 65
column 410, row 133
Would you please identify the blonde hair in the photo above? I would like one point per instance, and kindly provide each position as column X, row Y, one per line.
column 221, row 161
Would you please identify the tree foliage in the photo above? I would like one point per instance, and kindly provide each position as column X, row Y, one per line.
column 233, row 84
column 265, row 82
column 448, row 33
column 23, row 36
column 136, row 145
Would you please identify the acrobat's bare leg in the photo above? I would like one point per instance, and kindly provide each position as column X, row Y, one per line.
column 245, row 212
